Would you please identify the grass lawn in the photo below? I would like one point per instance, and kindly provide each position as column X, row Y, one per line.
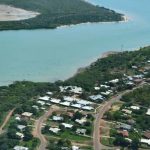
column 74, row 137
column 107, row 141
column 70, row 136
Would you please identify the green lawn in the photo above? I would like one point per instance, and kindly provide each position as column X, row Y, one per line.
column 107, row 141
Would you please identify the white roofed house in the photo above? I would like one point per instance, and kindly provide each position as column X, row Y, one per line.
column 76, row 105
column 83, row 102
column 49, row 93
column 105, row 86
column 65, row 103
column 18, row 118
column 81, row 131
column 20, row 148
column 114, row 81
column 26, row 115
column 57, row 118
column 145, row 141
column 81, row 121
column 75, row 148
column 76, row 90
column 106, row 93
column 41, row 103
column 54, row 129
column 66, row 125
column 36, row 107
column 148, row 112
column 21, row 127
column 19, row 134
column 44, row 98
column 68, row 98
column 135, row 107
column 87, row 108
column 97, row 88
column 96, row 97
column 56, row 101
column 73, row 89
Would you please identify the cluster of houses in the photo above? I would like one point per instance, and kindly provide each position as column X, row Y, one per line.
column 67, row 101
column 60, row 120
column 103, row 92
column 128, row 125
column 25, row 148
column 57, row 121
column 21, row 127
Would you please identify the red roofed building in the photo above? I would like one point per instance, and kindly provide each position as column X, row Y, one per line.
column 124, row 133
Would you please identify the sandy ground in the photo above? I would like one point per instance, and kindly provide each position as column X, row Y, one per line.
column 9, row 13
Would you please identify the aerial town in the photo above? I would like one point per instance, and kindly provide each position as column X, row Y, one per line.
column 104, row 116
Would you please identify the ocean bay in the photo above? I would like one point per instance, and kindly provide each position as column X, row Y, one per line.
column 49, row 55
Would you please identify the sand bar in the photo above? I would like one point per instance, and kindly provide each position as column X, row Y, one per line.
column 9, row 13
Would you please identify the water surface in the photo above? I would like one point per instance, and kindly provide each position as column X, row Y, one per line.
column 49, row 55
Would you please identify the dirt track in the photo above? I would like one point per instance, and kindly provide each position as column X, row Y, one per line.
column 6, row 120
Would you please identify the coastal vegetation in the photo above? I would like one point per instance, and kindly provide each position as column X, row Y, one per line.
column 120, row 67
column 57, row 13
column 114, row 66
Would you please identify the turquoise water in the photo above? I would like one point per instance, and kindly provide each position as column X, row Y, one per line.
column 49, row 55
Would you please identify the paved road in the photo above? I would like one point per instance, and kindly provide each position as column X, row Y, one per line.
column 99, row 114
column 6, row 120
column 38, row 126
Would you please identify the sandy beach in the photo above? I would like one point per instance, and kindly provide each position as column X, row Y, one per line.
column 9, row 13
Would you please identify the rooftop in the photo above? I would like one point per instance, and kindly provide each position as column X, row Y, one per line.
column 20, row 148
column 27, row 114
column 66, row 125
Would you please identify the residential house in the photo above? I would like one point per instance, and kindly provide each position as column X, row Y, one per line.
column 148, row 112
column 81, row 121
column 44, row 98
column 66, row 125
column 124, row 126
column 96, row 97
column 124, row 133
column 26, row 115
column 145, row 141
column 21, row 127
column 20, row 148
column 54, row 130
column 57, row 118
column 75, row 148
column 147, row 134
column 81, row 131
column 19, row 134
column 135, row 107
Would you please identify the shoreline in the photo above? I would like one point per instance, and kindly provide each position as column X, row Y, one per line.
column 78, row 70
column 125, row 20
column 103, row 55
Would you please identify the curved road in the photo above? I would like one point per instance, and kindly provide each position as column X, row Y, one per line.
column 38, row 127
column 99, row 114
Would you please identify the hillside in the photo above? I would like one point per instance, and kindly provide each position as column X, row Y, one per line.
column 57, row 13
